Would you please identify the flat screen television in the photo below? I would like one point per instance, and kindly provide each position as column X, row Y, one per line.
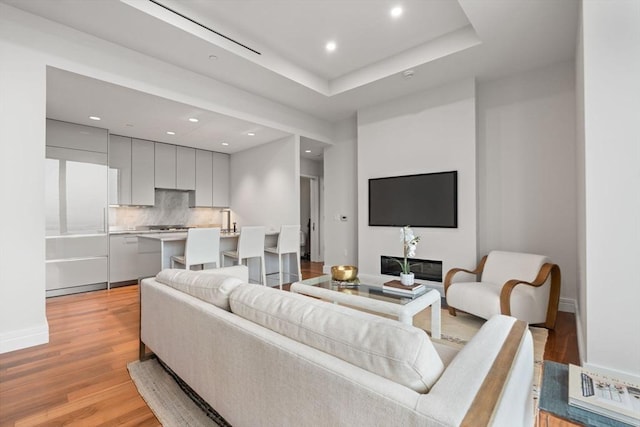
column 425, row 200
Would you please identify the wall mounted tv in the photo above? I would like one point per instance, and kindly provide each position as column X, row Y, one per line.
column 425, row 200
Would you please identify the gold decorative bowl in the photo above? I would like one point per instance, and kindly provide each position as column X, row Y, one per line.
column 344, row 273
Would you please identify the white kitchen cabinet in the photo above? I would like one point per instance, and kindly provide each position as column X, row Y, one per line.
column 77, row 137
column 220, row 195
column 203, row 195
column 185, row 168
column 119, row 170
column 63, row 275
column 75, row 263
column 127, row 263
column 175, row 167
column 142, row 172
column 165, row 166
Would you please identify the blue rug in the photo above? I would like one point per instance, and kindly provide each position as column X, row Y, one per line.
column 554, row 398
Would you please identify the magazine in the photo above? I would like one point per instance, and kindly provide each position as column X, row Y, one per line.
column 608, row 395
column 396, row 287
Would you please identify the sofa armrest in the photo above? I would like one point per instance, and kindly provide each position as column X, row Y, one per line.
column 448, row 280
column 490, row 381
column 546, row 270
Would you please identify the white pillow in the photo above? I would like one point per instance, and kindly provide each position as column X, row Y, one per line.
column 386, row 347
column 210, row 287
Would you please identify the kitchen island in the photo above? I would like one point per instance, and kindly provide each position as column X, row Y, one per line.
column 168, row 244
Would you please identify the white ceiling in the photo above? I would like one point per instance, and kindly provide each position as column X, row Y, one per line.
column 72, row 97
column 297, row 31
column 440, row 40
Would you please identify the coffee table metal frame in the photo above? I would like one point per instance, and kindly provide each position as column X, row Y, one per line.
column 404, row 311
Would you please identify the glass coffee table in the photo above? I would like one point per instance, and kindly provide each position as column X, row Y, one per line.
column 368, row 295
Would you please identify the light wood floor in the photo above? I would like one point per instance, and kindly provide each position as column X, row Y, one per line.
column 80, row 376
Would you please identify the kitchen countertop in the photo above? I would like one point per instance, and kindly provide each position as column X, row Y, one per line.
column 168, row 236
column 115, row 232
column 145, row 233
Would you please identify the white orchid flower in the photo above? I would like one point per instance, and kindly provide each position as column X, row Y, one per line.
column 409, row 245
column 408, row 235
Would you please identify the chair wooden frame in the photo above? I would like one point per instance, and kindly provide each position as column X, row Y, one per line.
column 545, row 271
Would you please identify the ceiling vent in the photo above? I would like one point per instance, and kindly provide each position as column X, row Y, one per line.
column 204, row 26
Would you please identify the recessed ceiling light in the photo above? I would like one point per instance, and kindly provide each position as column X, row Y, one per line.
column 170, row 132
column 193, row 120
column 330, row 46
column 251, row 134
column 213, row 57
column 95, row 118
column 396, row 12
column 225, row 143
column 307, row 151
column 408, row 74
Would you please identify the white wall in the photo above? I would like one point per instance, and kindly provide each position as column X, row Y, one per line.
column 23, row 320
column 611, row 58
column 30, row 44
column 340, row 197
column 527, row 168
column 432, row 131
column 265, row 184
column 310, row 167
column 581, row 280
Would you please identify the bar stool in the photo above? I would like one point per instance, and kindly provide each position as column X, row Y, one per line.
column 202, row 247
column 288, row 243
column 250, row 245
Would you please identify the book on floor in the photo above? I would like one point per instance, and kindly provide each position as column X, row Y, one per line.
column 615, row 397
column 395, row 286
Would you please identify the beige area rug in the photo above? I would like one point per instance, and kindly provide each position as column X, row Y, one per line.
column 171, row 405
column 456, row 331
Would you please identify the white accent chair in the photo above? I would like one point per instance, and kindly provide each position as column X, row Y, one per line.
column 524, row 286
column 202, row 247
column 250, row 245
column 288, row 243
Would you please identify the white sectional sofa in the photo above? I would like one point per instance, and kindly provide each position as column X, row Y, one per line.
column 266, row 357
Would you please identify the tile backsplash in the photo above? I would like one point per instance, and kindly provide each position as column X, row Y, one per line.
column 171, row 208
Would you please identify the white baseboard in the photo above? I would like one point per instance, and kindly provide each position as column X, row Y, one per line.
column 23, row 338
column 579, row 333
column 567, row 304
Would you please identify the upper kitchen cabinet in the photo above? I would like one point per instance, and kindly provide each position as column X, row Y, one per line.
column 175, row 167
column 119, row 170
column 203, row 196
column 212, row 180
column 77, row 137
column 165, row 166
column 142, row 172
column 185, row 168
column 221, row 180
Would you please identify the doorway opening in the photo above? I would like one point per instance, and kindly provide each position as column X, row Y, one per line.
column 310, row 226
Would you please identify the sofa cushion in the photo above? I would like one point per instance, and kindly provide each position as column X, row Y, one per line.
column 386, row 347
column 211, row 286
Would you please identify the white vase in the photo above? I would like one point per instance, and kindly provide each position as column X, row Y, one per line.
column 407, row 279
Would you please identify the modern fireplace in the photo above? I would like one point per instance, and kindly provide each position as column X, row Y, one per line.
column 425, row 269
